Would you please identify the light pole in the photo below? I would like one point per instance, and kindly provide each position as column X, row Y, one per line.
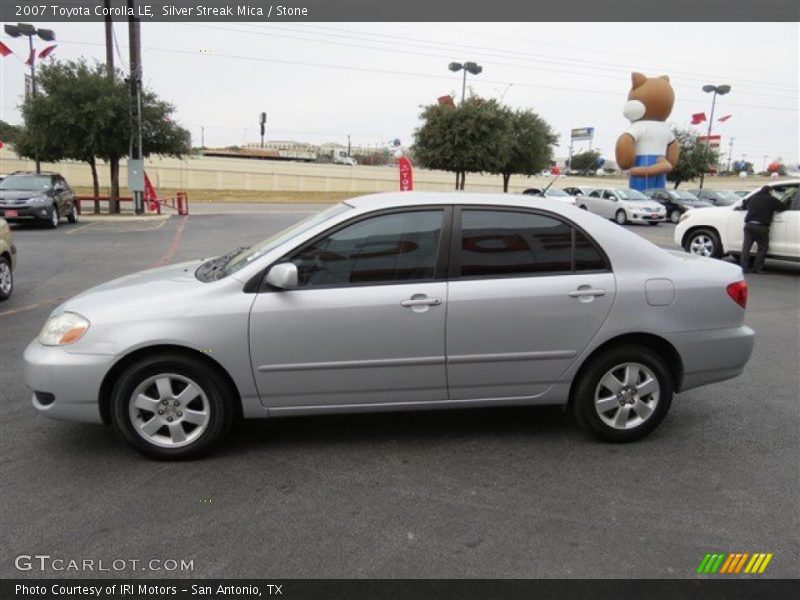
column 475, row 69
column 28, row 30
column 709, row 89
column 471, row 67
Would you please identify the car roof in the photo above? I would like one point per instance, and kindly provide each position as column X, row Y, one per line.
column 399, row 199
column 32, row 173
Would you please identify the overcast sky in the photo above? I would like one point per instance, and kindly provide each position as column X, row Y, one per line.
column 319, row 82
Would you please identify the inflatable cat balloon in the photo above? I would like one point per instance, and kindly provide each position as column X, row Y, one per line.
column 648, row 149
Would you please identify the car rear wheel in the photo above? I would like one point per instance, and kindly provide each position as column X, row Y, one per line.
column 52, row 223
column 621, row 218
column 6, row 278
column 583, row 207
column 623, row 394
column 703, row 242
column 72, row 215
column 170, row 406
column 675, row 216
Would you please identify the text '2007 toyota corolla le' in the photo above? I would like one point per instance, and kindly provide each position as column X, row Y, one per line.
column 392, row 302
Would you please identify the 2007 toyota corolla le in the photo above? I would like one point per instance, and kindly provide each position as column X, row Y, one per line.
column 397, row 301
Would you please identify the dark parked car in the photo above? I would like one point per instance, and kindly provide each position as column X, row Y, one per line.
column 676, row 202
column 44, row 197
column 717, row 197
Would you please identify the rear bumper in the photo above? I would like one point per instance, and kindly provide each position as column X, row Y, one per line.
column 712, row 355
column 72, row 379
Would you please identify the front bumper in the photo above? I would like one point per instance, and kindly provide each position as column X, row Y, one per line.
column 73, row 379
column 712, row 355
column 26, row 213
column 647, row 218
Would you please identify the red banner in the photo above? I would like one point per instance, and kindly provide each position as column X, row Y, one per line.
column 406, row 174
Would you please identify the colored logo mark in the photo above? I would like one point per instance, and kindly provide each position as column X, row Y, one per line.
column 734, row 562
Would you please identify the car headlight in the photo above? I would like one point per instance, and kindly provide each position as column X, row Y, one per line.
column 63, row 329
column 686, row 215
column 37, row 199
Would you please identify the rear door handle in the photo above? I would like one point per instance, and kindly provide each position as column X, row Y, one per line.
column 582, row 293
column 421, row 302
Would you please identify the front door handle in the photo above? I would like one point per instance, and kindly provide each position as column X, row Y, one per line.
column 584, row 292
column 421, row 302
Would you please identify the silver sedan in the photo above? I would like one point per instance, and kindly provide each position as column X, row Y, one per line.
column 398, row 301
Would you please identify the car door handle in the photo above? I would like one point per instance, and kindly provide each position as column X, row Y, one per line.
column 421, row 302
column 582, row 293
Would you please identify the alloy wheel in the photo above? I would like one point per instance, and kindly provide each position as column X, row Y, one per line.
column 6, row 280
column 675, row 217
column 169, row 410
column 627, row 395
column 702, row 245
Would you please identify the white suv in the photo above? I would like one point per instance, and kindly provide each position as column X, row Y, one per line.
column 718, row 231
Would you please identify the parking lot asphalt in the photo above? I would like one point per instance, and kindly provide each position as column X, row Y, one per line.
column 480, row 493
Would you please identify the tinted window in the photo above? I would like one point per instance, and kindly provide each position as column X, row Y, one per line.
column 513, row 243
column 587, row 256
column 595, row 193
column 388, row 248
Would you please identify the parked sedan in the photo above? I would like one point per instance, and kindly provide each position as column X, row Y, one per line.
column 43, row 197
column 551, row 192
column 676, row 202
column 623, row 205
column 717, row 197
column 719, row 231
column 8, row 259
column 397, row 301
column 578, row 190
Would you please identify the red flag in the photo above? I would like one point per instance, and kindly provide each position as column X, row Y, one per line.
column 4, row 50
column 31, row 58
column 150, row 194
column 406, row 174
column 725, row 118
column 46, row 52
column 698, row 118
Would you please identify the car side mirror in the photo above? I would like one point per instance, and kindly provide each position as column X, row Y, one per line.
column 283, row 276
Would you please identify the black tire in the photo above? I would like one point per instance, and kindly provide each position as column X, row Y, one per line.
column 72, row 215
column 652, row 223
column 620, row 220
column 53, row 218
column 5, row 271
column 583, row 396
column 675, row 216
column 583, row 207
column 696, row 234
column 220, row 407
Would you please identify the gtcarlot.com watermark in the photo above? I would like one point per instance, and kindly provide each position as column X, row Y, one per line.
column 49, row 563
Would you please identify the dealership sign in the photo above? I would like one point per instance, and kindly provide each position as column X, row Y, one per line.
column 406, row 174
column 582, row 133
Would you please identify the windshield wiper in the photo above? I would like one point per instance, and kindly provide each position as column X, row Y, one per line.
column 213, row 269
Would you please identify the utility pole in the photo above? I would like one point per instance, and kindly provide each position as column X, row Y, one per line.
column 730, row 154
column 764, row 170
column 135, row 42
column 202, row 137
column 263, row 122
column 114, row 161
column 348, row 144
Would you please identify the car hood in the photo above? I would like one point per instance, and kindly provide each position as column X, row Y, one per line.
column 158, row 285
column 20, row 195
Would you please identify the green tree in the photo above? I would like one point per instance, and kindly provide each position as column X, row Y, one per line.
column 82, row 113
column 471, row 138
column 694, row 158
column 584, row 162
column 8, row 132
column 531, row 142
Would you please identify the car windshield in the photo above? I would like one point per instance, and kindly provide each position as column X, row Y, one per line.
column 683, row 195
column 242, row 259
column 25, row 183
column 555, row 192
column 630, row 195
column 727, row 198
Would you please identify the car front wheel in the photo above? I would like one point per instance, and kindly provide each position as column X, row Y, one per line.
column 6, row 279
column 171, row 406
column 675, row 216
column 703, row 242
column 623, row 394
column 72, row 215
column 52, row 223
column 621, row 218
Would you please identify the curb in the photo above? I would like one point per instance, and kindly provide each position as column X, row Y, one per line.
column 91, row 218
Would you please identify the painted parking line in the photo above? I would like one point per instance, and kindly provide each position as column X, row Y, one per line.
column 173, row 247
column 111, row 227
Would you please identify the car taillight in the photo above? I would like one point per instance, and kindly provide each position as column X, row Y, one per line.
column 738, row 293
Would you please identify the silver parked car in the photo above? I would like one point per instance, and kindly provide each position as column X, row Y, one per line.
column 395, row 302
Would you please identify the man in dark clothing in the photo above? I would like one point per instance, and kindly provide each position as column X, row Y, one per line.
column 761, row 207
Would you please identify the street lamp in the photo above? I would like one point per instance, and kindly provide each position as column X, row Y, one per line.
column 711, row 89
column 28, row 30
column 470, row 67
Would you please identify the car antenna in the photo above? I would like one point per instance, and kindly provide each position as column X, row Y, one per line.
column 551, row 183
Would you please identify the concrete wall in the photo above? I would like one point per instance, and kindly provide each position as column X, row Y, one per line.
column 210, row 173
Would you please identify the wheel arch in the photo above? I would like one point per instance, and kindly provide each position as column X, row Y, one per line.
column 649, row 340
column 106, row 387
column 711, row 228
